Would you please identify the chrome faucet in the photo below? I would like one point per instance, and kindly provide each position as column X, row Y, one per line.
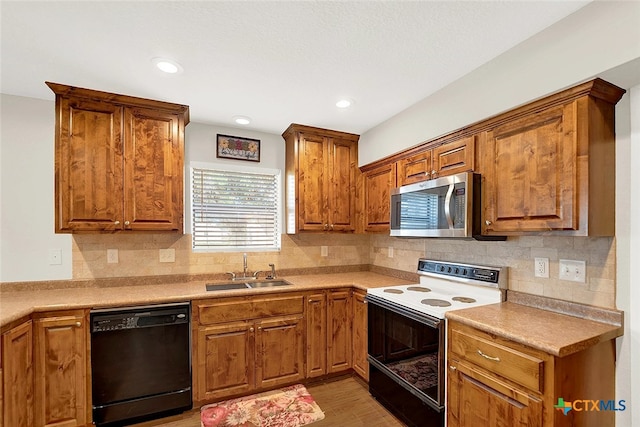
column 272, row 275
column 244, row 265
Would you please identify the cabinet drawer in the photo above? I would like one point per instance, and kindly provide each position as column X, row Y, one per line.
column 248, row 308
column 514, row 365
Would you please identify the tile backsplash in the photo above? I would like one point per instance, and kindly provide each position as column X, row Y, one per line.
column 518, row 253
column 138, row 255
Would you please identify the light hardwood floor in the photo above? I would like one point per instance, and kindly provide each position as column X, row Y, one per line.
column 346, row 402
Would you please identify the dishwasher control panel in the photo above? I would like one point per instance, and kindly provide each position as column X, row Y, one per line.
column 141, row 317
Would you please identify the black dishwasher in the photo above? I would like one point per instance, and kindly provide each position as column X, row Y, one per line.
column 140, row 362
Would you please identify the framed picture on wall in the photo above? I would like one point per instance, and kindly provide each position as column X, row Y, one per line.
column 237, row 148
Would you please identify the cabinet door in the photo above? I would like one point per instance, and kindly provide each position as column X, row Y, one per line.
column 17, row 360
column 313, row 181
column 224, row 361
column 530, row 172
column 477, row 399
column 360, row 363
column 454, row 157
column 339, row 316
column 415, row 168
column 88, row 161
column 377, row 186
column 61, row 371
column 280, row 351
column 342, row 195
column 153, row 175
column 316, row 335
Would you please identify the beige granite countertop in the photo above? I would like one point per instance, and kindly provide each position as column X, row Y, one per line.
column 18, row 304
column 555, row 333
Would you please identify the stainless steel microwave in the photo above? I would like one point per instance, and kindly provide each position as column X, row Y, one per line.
column 441, row 207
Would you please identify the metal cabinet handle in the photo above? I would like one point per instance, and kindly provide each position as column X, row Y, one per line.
column 78, row 324
column 116, row 222
column 126, row 223
column 427, row 174
column 326, row 226
column 331, row 227
column 434, row 173
column 259, row 328
column 487, row 222
column 486, row 356
column 453, row 368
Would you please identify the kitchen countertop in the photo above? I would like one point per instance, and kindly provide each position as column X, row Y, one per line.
column 18, row 304
column 554, row 333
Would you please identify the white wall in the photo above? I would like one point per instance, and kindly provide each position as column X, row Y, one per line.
column 26, row 175
column 598, row 37
column 628, row 250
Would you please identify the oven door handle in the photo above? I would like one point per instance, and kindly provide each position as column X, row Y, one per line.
column 433, row 322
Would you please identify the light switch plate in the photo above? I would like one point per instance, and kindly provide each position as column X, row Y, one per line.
column 55, row 256
column 575, row 271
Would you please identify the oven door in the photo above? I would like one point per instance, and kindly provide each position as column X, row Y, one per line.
column 408, row 348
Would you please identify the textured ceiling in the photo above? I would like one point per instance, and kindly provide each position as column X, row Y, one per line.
column 276, row 62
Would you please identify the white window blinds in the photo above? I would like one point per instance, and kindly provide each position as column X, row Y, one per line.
column 235, row 210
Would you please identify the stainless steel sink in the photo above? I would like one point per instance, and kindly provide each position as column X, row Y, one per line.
column 227, row 286
column 268, row 284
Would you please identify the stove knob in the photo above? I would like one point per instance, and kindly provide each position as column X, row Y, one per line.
column 449, row 270
column 457, row 270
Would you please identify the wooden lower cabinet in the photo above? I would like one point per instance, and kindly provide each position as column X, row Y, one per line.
column 339, row 341
column 279, row 351
column 359, row 330
column 493, row 381
column 247, row 343
column 224, row 360
column 316, row 337
column 17, row 367
column 61, row 370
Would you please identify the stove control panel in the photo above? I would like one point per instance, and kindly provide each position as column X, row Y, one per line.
column 465, row 272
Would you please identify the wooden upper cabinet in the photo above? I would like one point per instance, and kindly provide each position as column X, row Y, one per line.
column 321, row 169
column 375, row 203
column 446, row 159
column 119, row 162
column 553, row 169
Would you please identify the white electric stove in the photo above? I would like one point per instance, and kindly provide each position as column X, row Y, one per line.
column 446, row 286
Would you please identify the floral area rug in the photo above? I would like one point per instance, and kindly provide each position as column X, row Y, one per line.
column 288, row 407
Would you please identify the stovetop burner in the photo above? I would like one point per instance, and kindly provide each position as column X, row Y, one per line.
column 467, row 300
column 435, row 302
column 418, row 289
column 394, row 291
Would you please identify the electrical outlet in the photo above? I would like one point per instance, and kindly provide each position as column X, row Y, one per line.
column 167, row 255
column 541, row 267
column 112, row 256
column 575, row 271
column 390, row 252
column 55, row 256
column 324, row 251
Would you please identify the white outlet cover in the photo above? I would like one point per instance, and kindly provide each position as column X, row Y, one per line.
column 541, row 267
column 112, row 256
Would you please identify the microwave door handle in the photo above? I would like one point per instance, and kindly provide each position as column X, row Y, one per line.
column 447, row 206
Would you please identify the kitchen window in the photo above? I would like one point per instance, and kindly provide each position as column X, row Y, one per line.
column 235, row 209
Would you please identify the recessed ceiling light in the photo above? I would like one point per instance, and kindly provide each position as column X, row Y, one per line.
column 242, row 120
column 344, row 103
column 167, row 65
